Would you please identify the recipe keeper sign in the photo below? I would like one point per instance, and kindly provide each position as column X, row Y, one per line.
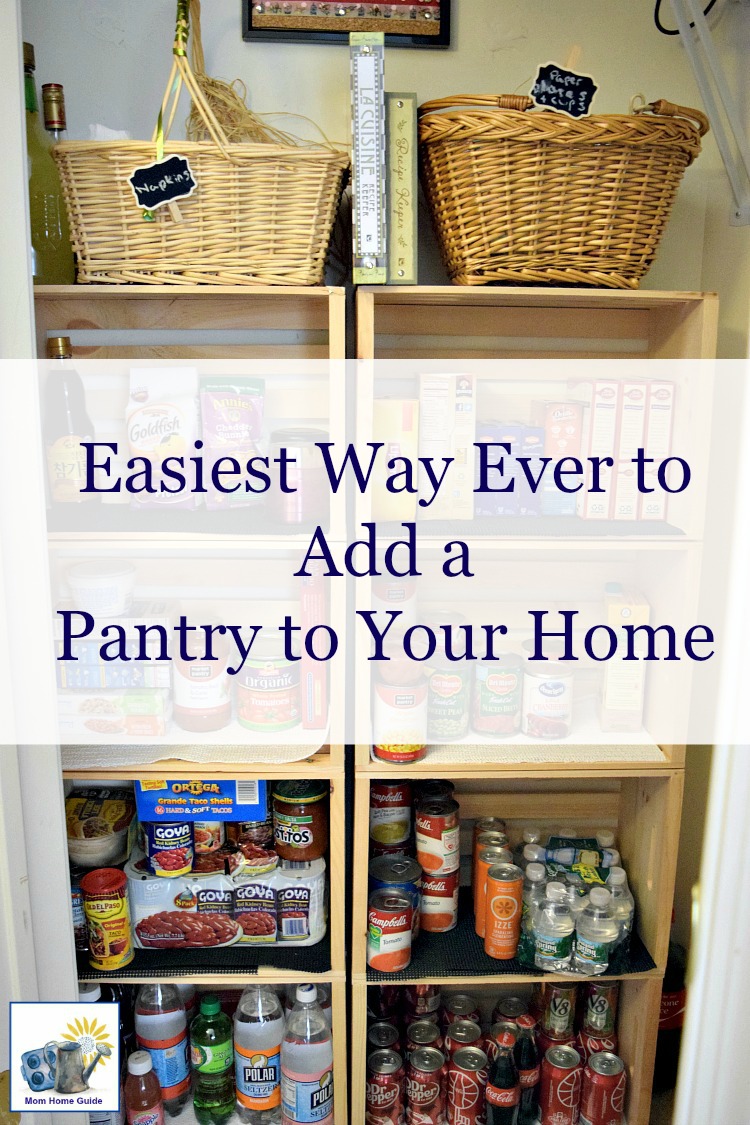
column 181, row 799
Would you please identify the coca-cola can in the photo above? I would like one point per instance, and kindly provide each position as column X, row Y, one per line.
column 498, row 1028
column 385, row 1096
column 557, row 1010
column 467, row 1081
column 460, row 1006
column 588, row 1045
column 425, row 1087
column 603, row 1094
column 383, row 1035
column 600, row 1007
column 560, row 1086
column 422, row 998
column 462, row 1033
column 509, row 1008
column 422, row 1033
column 544, row 1042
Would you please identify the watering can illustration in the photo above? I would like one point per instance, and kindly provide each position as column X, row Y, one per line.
column 66, row 1061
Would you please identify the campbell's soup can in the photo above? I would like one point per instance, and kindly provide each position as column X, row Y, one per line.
column 588, row 1045
column 399, row 873
column 383, row 1036
column 557, row 1009
column 169, row 847
column 423, row 1033
column 467, row 1082
column 437, row 830
column 600, row 1011
column 496, row 700
column 389, row 922
column 503, row 911
column 439, row 903
column 460, row 1006
column 425, row 1087
column 422, row 999
column 603, row 1092
column 462, row 1033
column 399, row 721
column 105, row 904
column 486, row 858
column 390, row 812
column 560, row 1086
column 386, row 1088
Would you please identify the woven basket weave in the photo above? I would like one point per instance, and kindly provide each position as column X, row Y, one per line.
column 262, row 214
column 542, row 198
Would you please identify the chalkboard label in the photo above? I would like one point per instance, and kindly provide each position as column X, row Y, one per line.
column 162, row 182
column 564, row 90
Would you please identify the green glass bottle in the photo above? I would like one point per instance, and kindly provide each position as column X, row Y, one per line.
column 52, row 253
column 212, row 1058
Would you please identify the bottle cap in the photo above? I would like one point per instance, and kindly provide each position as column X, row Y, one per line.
column 617, row 876
column 605, row 838
column 556, row 891
column 210, row 1005
column 534, row 853
column 58, row 347
column 140, row 1063
column 53, row 100
column 535, row 872
column 29, row 60
column 599, row 896
column 89, row 993
column 306, row 994
column 531, row 835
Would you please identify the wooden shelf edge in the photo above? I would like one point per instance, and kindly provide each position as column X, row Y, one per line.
column 139, row 291
column 537, row 295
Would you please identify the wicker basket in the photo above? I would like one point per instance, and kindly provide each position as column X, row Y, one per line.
column 542, row 198
column 262, row 214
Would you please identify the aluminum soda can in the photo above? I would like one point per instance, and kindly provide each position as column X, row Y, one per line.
column 462, row 1033
column 460, row 1006
column 560, row 1086
column 588, row 1045
column 600, row 1011
column 383, row 1036
column 422, row 998
column 425, row 1087
column 386, row 1089
column 603, row 1094
column 467, row 1081
column 503, row 911
column 509, row 1008
column 486, row 858
column 423, row 1033
column 544, row 1041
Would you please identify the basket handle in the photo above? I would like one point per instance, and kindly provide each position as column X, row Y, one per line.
column 669, row 109
column 181, row 73
column 520, row 102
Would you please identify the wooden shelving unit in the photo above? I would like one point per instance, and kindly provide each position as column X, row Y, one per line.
column 635, row 787
column 204, row 322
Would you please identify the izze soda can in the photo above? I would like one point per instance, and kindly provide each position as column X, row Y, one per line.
column 503, row 911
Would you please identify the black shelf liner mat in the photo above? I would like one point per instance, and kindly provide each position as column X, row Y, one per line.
column 460, row 953
column 235, row 960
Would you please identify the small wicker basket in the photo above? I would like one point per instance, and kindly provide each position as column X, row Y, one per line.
column 542, row 198
column 262, row 214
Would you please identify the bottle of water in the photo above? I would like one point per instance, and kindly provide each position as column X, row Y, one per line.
column 531, row 835
column 553, row 929
column 605, row 838
column 307, row 1063
column 258, row 1032
column 623, row 905
column 161, row 1029
column 575, row 889
column 532, row 853
column 324, row 999
column 534, row 884
column 596, row 933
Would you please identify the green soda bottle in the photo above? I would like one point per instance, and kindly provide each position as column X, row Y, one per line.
column 212, row 1059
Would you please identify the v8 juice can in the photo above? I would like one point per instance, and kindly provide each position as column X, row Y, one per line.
column 502, row 925
column 389, row 922
column 105, row 905
column 437, row 828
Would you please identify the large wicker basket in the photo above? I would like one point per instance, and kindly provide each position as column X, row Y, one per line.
column 262, row 214
column 542, row 198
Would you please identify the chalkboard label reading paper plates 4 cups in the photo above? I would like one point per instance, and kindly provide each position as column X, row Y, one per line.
column 563, row 90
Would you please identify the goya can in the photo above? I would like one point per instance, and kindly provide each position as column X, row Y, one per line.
column 503, row 911
column 425, row 1087
column 462, row 1033
column 268, row 689
column 460, row 1006
column 389, row 921
column 437, row 828
column 383, row 1036
column 105, row 905
column 603, row 1093
column 557, row 1009
column 600, row 999
column 169, row 847
column 560, row 1086
column 422, row 1033
column 390, row 812
column 486, row 858
column 496, row 700
column 386, row 1088
column 439, row 903
column 399, row 873
column 467, row 1082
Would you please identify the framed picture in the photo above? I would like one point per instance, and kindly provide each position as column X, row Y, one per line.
column 405, row 23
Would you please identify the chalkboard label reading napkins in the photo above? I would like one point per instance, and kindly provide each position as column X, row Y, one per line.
column 162, row 182
column 564, row 90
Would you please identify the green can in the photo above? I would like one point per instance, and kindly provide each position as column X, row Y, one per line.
column 498, row 691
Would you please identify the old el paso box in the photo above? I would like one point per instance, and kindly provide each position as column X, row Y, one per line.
column 159, row 799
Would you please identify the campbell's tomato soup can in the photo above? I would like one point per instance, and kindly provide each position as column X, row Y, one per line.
column 460, row 1006
column 105, row 905
column 390, row 812
column 557, row 1009
column 437, row 829
column 502, row 925
column 399, row 721
column 588, row 1045
column 603, row 1092
column 386, row 1088
column 439, row 903
column 383, row 1036
column 377, row 850
column 462, row 1033
column 486, row 858
column 600, row 1007
column 399, row 873
column 496, row 699
column 422, row 999
column 422, row 1033
column 425, row 1087
column 389, row 922
column 208, row 835
column 560, row 1086
column 169, row 847
column 467, row 1082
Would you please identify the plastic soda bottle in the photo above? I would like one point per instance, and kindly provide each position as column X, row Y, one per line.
column 143, row 1104
column 307, row 1063
column 212, row 1058
column 258, row 1031
column 161, row 1029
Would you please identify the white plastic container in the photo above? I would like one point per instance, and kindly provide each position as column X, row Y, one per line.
column 102, row 587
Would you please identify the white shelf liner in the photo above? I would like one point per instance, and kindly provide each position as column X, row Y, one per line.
column 113, row 757
column 537, row 753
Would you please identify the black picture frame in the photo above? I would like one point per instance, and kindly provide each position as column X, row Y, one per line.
column 252, row 33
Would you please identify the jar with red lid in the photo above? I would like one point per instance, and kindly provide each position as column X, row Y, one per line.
column 300, row 819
